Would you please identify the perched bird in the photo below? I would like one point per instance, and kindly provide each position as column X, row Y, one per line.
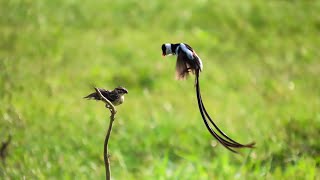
column 188, row 61
column 116, row 97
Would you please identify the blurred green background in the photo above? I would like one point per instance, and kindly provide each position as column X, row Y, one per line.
column 260, row 82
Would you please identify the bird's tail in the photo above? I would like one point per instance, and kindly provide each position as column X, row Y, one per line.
column 224, row 139
column 93, row 96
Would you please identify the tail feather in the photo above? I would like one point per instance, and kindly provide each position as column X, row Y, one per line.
column 223, row 134
column 228, row 142
column 94, row 96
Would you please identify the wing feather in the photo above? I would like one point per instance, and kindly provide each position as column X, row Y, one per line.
column 196, row 57
column 181, row 67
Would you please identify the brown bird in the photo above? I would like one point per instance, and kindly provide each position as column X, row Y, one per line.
column 188, row 61
column 116, row 96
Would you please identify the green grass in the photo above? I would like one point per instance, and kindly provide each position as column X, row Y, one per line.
column 260, row 82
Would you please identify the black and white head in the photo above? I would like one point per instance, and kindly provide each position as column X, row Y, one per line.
column 121, row 90
column 166, row 49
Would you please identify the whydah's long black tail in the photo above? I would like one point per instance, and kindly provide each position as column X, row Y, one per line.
column 224, row 140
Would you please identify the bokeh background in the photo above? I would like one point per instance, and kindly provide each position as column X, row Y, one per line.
column 260, row 82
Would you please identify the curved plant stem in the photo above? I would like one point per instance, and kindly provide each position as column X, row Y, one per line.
column 113, row 112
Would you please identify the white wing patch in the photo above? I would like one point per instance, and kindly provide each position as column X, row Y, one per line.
column 187, row 51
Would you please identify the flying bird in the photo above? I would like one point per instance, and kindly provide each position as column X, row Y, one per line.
column 189, row 62
column 187, row 59
column 116, row 96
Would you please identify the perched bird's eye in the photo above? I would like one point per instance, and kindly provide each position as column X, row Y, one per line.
column 123, row 91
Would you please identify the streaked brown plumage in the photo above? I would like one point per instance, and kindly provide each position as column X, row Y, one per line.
column 116, row 96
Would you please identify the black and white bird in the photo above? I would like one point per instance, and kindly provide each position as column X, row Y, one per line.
column 116, row 96
column 188, row 61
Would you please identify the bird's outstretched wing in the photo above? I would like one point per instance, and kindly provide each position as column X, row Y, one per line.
column 196, row 59
column 187, row 61
column 182, row 66
column 224, row 139
column 189, row 47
